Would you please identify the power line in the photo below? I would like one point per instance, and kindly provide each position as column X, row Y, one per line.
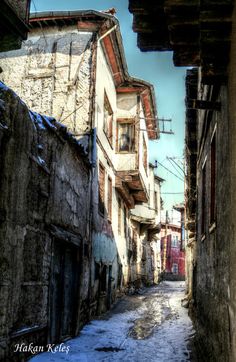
column 173, row 160
column 172, row 193
column 170, row 171
column 173, row 165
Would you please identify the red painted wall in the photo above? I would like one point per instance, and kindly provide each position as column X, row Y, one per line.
column 174, row 254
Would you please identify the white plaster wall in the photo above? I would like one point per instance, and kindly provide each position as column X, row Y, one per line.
column 105, row 248
column 51, row 73
column 104, row 83
column 147, row 210
column 126, row 161
column 126, row 108
column 142, row 134
column 127, row 105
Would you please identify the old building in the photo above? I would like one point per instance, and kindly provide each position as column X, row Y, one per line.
column 14, row 23
column 202, row 34
column 145, row 259
column 172, row 252
column 45, row 245
column 72, row 67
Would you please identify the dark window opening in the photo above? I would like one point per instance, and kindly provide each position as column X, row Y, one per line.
column 104, row 279
column 155, row 201
column 96, row 271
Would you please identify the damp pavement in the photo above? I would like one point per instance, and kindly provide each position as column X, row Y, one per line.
column 149, row 326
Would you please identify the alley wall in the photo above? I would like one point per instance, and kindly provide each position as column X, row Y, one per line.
column 44, row 215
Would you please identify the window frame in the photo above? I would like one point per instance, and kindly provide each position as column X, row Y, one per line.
column 174, row 241
column 108, row 127
column 129, row 122
column 175, row 266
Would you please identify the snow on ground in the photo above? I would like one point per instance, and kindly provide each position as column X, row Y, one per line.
column 148, row 327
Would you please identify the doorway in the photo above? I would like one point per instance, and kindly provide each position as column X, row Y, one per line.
column 63, row 291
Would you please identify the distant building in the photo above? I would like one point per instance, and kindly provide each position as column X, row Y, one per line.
column 172, row 252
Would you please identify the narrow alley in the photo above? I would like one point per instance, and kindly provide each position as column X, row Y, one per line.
column 118, row 180
column 149, row 326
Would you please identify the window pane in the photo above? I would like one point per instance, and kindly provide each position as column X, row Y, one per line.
column 108, row 119
column 126, row 137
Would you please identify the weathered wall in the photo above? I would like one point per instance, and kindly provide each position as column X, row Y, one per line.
column 174, row 253
column 146, row 220
column 52, row 74
column 211, row 285
column 44, row 202
column 232, row 208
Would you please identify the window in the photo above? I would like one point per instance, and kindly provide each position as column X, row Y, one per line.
column 101, row 206
column 175, row 268
column 109, row 201
column 144, row 154
column 104, row 278
column 155, row 201
column 125, row 136
column 213, row 179
column 203, row 218
column 108, row 119
column 174, row 241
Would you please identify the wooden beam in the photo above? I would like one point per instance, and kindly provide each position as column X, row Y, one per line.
column 201, row 104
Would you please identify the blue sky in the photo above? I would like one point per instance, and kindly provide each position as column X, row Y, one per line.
column 158, row 69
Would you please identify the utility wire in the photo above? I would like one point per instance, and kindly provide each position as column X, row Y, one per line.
column 172, row 193
column 173, row 165
column 172, row 159
column 170, row 171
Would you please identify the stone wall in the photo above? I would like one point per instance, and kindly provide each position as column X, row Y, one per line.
column 211, row 283
column 44, row 207
column 52, row 74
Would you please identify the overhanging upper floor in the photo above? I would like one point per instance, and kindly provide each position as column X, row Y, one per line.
column 197, row 31
column 14, row 23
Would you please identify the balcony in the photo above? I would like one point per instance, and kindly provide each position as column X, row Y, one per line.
column 131, row 187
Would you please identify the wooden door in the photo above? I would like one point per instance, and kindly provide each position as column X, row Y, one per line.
column 63, row 291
